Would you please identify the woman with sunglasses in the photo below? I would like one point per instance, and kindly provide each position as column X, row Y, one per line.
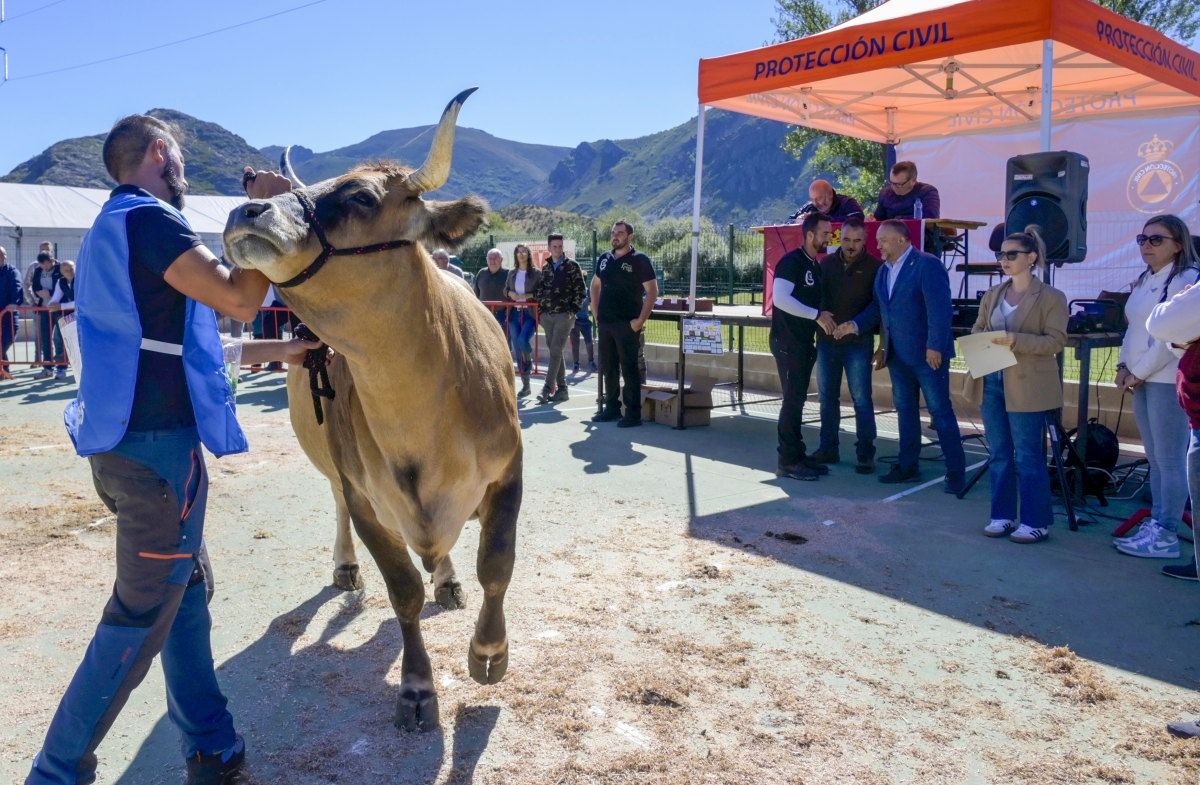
column 1147, row 370
column 1016, row 401
column 522, row 324
column 1177, row 322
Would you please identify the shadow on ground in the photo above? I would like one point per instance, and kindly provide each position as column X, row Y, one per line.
column 314, row 712
column 927, row 550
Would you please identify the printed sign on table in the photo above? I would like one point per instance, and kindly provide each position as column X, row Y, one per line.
column 702, row 336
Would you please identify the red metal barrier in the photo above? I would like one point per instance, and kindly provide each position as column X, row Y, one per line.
column 509, row 306
column 31, row 329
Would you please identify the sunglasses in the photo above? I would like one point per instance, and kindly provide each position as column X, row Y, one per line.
column 1009, row 256
column 1155, row 240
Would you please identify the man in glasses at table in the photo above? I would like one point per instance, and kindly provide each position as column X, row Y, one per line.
column 899, row 197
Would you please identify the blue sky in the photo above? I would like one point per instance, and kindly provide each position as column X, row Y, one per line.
column 336, row 72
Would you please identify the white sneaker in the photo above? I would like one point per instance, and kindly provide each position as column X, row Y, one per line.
column 999, row 527
column 1161, row 544
column 1143, row 530
column 45, row 373
column 60, row 373
column 1027, row 534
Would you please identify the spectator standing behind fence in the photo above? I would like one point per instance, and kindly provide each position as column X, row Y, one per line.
column 623, row 293
column 912, row 309
column 1017, row 401
column 583, row 328
column 32, row 270
column 847, row 290
column 899, row 197
column 519, row 287
column 823, row 199
column 1147, row 370
column 489, row 286
column 795, row 309
column 10, row 294
column 441, row 257
column 62, row 301
column 45, row 278
column 559, row 293
column 1177, row 322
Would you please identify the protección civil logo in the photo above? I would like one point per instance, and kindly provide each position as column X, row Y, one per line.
column 1156, row 180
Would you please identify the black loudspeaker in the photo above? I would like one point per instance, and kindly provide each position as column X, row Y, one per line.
column 1050, row 190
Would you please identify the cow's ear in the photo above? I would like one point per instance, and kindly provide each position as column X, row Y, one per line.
column 452, row 223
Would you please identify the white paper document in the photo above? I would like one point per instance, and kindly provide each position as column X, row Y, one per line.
column 984, row 357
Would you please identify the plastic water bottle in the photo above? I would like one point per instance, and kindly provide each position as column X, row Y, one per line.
column 918, row 210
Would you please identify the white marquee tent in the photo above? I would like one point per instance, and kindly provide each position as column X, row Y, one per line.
column 33, row 214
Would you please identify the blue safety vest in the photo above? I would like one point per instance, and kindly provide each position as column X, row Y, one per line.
column 110, row 342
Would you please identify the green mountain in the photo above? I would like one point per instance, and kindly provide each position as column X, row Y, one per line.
column 499, row 170
column 214, row 156
column 748, row 178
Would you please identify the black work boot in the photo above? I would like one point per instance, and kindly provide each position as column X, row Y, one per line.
column 216, row 769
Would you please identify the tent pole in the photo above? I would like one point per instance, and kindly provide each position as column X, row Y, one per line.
column 1047, row 91
column 696, row 209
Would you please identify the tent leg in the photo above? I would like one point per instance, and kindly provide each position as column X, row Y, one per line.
column 696, row 209
column 1047, row 92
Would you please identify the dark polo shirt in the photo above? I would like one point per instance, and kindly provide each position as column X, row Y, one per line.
column 847, row 290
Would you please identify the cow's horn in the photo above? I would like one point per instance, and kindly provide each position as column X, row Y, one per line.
column 434, row 173
column 285, row 166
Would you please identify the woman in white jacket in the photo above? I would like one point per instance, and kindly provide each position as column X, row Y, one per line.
column 1147, row 369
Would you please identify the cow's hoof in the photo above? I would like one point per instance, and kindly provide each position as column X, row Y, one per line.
column 450, row 596
column 487, row 669
column 346, row 578
column 417, row 710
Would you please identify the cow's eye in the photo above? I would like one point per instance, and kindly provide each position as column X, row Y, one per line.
column 365, row 198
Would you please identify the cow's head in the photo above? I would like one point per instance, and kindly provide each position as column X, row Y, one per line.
column 374, row 203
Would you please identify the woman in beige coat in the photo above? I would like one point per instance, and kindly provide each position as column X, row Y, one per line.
column 1032, row 317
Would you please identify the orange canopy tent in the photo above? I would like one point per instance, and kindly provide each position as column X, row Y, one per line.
column 915, row 69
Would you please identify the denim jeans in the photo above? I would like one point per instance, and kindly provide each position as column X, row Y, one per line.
column 1193, row 470
column 909, row 382
column 521, row 327
column 1018, row 458
column 45, row 350
column 156, row 484
column 855, row 358
column 1164, row 428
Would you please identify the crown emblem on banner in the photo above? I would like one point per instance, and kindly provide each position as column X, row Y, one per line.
column 1156, row 182
column 1155, row 150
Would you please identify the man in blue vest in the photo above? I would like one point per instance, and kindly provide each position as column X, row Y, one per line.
column 153, row 389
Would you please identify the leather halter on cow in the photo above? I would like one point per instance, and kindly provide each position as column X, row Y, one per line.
column 415, row 354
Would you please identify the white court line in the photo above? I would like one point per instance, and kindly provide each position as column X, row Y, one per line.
column 925, row 485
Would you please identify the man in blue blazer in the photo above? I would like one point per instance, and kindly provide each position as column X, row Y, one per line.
column 912, row 307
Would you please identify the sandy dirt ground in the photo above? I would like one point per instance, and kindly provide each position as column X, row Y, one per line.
column 678, row 615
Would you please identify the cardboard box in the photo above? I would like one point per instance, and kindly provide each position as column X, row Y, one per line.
column 664, row 401
column 648, row 402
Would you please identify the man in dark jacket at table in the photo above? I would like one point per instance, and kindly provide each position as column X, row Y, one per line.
column 823, row 199
column 899, row 197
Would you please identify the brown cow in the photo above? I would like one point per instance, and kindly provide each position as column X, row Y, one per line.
column 422, row 433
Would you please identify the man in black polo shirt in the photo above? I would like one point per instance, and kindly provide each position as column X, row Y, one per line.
column 847, row 288
column 623, row 294
column 796, row 298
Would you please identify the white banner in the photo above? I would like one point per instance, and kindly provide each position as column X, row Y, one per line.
column 1140, row 167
